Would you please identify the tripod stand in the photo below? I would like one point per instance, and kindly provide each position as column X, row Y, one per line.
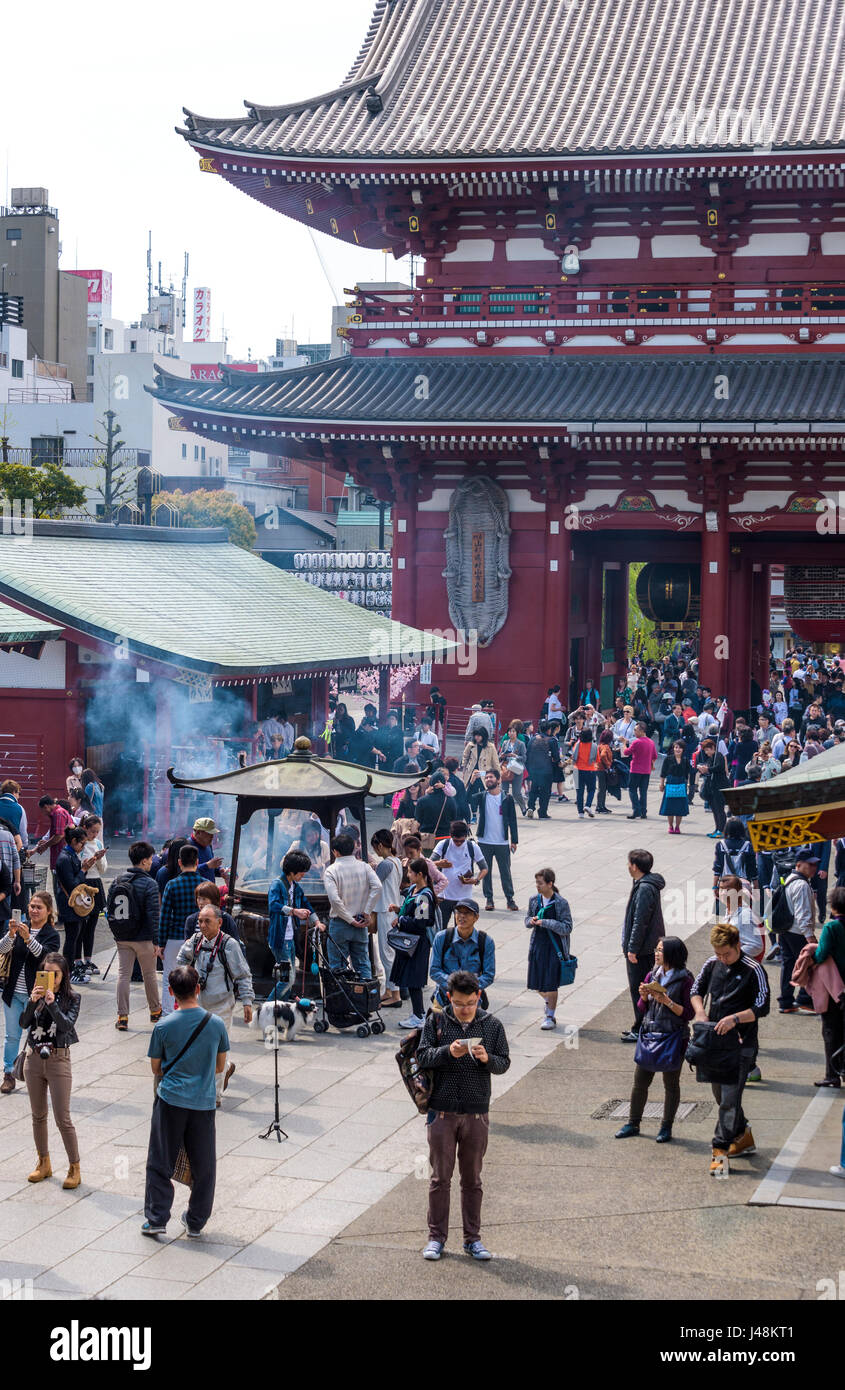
column 275, row 1127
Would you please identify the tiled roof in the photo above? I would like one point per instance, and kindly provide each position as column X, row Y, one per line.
column 538, row 77
column 547, row 391
column 211, row 607
column 17, row 628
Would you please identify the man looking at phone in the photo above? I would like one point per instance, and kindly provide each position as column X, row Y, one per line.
column 354, row 891
column 462, row 863
column 464, row 1046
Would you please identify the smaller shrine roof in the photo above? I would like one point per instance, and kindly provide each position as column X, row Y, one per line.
column 474, row 79
column 546, row 392
column 299, row 777
column 17, row 628
column 821, row 780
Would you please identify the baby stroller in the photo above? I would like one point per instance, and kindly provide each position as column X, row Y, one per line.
column 347, row 1001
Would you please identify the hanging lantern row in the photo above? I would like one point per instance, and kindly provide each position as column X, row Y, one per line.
column 349, row 581
column 342, row 560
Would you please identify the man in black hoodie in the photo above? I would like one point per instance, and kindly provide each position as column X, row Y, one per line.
column 133, row 908
column 643, row 926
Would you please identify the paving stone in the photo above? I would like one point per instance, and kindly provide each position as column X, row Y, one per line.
column 84, row 1273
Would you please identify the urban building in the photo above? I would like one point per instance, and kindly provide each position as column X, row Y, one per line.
column 624, row 339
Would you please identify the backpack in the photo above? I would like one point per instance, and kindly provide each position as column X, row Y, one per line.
column 122, row 907
column 196, row 942
column 729, row 863
column 418, row 1083
column 781, row 915
column 482, row 950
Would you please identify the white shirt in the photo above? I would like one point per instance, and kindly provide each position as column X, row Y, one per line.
column 494, row 831
column 465, row 858
column 429, row 740
column 555, row 707
column 625, row 728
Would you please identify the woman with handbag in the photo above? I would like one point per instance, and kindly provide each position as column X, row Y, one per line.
column 411, row 940
column 21, row 951
column 548, row 950
column 93, row 866
column 50, row 1016
column 661, row 1043
column 512, row 759
column 674, row 782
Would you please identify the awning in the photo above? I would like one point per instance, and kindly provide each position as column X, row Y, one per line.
column 806, row 803
column 299, row 777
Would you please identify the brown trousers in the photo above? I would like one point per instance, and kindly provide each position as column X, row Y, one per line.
column 465, row 1136
column 43, row 1074
column 127, row 953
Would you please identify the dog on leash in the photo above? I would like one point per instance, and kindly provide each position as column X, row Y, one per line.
column 280, row 1019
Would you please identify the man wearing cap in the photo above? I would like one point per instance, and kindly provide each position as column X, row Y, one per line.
column 202, row 835
column 802, row 904
column 462, row 947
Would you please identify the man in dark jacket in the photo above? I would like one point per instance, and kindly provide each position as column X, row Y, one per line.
column 497, row 837
column 132, row 909
column 643, row 926
column 436, row 810
column 68, row 874
column 463, row 1047
column 390, row 741
column 542, row 762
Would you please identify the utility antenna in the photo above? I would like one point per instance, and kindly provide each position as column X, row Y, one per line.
column 159, row 278
column 150, row 273
column 185, row 283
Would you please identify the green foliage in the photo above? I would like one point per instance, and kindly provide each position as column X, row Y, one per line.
column 206, row 508
column 48, row 485
column 642, row 638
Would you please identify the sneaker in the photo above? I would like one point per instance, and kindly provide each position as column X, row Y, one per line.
column 192, row 1235
column 490, row 907
column 580, row 815
column 744, row 1145
column 803, row 1009
column 835, row 1083
column 628, row 1131
column 122, row 1024
column 230, row 1072
column 774, row 953
column 549, row 1022
column 530, row 814
column 154, row 1017
column 715, row 835
column 791, row 1009
column 589, row 813
column 719, row 1165
column 664, row 1135
column 512, row 906
column 634, row 816
column 546, row 817
column 837, row 1170
column 630, row 1036
column 412, row 1021
column 148, row 1229
column 91, row 968
column 754, row 1075
column 478, row 1250
column 433, row 1250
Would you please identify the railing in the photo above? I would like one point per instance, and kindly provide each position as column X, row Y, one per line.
column 37, row 395
column 57, row 371
column 73, row 457
column 585, row 303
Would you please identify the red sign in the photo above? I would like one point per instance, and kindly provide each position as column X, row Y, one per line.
column 210, row 371
column 202, row 315
column 99, row 287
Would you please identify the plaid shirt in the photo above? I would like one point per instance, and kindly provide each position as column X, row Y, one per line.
column 177, row 904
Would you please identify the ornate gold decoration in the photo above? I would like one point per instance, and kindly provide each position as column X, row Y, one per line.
column 783, row 831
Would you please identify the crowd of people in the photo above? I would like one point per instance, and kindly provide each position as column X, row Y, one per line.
column 404, row 909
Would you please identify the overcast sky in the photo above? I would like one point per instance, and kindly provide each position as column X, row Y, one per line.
column 90, row 97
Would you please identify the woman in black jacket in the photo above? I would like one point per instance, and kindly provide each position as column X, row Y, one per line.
column 343, row 729
column 24, row 945
column 674, row 780
column 417, row 917
column 50, row 1016
column 666, row 1010
column 68, row 874
column 712, row 768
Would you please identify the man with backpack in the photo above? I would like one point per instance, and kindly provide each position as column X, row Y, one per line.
column 132, row 910
column 734, row 855
column 463, row 865
column 462, row 947
column 463, row 1047
column 178, row 901
column 793, row 922
column 224, row 975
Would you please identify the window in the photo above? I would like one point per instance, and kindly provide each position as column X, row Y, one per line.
column 17, row 368
column 47, row 448
column 90, row 367
column 13, row 234
column 108, row 339
column 202, row 453
column 4, row 359
column 133, row 344
column 184, row 451
column 196, row 452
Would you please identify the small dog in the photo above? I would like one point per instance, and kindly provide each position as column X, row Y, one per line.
column 280, row 1017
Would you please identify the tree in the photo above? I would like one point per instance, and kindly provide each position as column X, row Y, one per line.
column 48, row 486
column 206, row 508
column 118, row 475
column 642, row 639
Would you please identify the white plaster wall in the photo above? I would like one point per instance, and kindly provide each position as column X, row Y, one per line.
column 22, row 673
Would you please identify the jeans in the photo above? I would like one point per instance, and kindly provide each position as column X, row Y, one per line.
column 12, row 1014
column 638, row 791
column 791, row 945
column 639, row 1095
column 586, row 783
column 731, row 1123
column 636, row 974
column 501, row 855
column 171, row 1127
column 348, row 942
column 464, row 1136
column 541, row 787
column 601, row 799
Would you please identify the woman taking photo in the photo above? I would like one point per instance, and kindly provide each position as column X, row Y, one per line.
column 94, row 865
column 50, row 1015
column 711, row 767
column 23, row 947
column 664, row 1003
column 417, row 917
column 584, row 766
column 389, row 872
column 674, row 781
column 512, row 758
column 551, row 922
column 479, row 757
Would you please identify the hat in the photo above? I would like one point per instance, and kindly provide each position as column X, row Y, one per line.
column 476, row 707
column 806, row 856
column 470, row 904
column 205, row 823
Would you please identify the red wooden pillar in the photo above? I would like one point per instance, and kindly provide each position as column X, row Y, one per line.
column 404, row 562
column 761, row 623
column 557, row 599
column 714, row 646
column 739, row 610
column 595, row 625
column 615, row 629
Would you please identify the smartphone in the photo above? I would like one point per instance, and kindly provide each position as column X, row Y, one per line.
column 46, row 979
column 16, row 915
